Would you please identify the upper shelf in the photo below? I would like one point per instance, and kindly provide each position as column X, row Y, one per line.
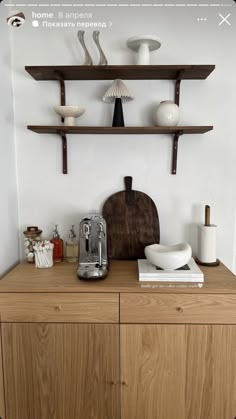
column 126, row 72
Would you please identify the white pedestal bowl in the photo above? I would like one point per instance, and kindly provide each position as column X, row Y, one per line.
column 168, row 257
column 143, row 44
column 69, row 113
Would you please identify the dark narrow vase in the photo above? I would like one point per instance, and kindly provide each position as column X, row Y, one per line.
column 118, row 119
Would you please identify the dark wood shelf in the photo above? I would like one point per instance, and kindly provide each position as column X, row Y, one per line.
column 126, row 72
column 63, row 130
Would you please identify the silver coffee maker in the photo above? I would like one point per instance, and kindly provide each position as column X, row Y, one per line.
column 93, row 260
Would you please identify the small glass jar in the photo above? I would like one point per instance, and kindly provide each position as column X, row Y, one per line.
column 32, row 236
column 72, row 247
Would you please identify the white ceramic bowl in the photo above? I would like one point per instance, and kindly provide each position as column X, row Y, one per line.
column 168, row 257
column 69, row 113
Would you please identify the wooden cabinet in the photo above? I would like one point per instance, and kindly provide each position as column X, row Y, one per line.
column 152, row 360
column 2, row 397
column 178, row 371
column 112, row 349
column 61, row 371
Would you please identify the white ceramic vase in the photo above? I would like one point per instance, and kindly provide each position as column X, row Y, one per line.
column 167, row 114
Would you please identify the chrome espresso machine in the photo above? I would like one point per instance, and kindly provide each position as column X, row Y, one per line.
column 93, row 260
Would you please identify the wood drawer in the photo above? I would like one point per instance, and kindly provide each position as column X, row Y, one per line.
column 172, row 308
column 60, row 307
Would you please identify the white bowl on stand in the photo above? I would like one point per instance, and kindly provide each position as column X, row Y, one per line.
column 168, row 257
column 143, row 44
column 69, row 113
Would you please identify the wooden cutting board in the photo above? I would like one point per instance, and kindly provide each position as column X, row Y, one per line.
column 132, row 223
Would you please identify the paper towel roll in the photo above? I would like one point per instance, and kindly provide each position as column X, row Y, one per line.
column 207, row 243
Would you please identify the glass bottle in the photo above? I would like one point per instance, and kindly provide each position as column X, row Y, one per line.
column 32, row 236
column 58, row 246
column 72, row 247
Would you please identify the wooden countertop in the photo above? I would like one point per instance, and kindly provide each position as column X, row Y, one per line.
column 122, row 277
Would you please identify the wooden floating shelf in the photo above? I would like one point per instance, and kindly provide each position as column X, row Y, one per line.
column 127, row 72
column 61, row 129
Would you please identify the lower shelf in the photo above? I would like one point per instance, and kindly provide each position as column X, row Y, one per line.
column 59, row 129
column 63, row 130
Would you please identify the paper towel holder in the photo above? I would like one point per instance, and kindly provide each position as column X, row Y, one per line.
column 207, row 224
column 216, row 263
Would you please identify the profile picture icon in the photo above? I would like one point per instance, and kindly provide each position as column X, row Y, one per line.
column 16, row 19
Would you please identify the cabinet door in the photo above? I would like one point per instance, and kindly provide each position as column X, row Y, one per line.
column 178, row 372
column 152, row 365
column 210, row 372
column 2, row 397
column 61, row 371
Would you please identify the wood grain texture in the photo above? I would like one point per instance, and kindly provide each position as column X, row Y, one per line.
column 153, row 372
column 122, row 277
column 70, row 308
column 128, row 72
column 178, row 371
column 210, row 372
column 61, row 129
column 2, row 393
column 132, row 223
column 199, row 372
column 61, row 371
column 224, row 372
column 202, row 309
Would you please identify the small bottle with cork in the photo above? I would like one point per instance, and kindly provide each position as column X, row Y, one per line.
column 58, row 246
column 72, row 247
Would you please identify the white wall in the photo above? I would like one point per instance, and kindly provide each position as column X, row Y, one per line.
column 9, row 249
column 97, row 164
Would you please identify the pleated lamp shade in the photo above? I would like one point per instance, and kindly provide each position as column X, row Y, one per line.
column 117, row 93
column 118, row 89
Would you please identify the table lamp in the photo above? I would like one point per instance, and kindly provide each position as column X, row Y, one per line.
column 117, row 93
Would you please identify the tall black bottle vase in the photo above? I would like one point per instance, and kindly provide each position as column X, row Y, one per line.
column 118, row 118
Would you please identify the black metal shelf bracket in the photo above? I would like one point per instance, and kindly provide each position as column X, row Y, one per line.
column 175, row 151
column 64, row 152
column 177, row 86
column 177, row 134
column 61, row 80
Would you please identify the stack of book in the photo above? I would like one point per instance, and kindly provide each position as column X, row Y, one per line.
column 189, row 273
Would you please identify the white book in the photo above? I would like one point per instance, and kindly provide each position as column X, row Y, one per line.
column 149, row 272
